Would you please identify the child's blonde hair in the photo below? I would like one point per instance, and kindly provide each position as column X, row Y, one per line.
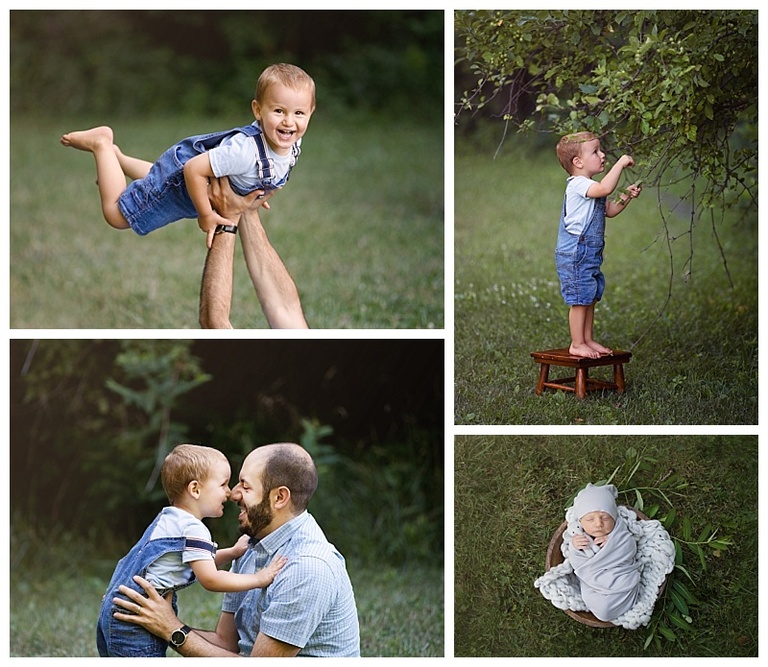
column 288, row 75
column 186, row 463
column 569, row 147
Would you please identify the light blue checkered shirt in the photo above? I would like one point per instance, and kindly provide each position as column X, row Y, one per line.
column 310, row 604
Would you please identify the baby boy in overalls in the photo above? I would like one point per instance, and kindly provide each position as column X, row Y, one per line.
column 258, row 156
column 581, row 235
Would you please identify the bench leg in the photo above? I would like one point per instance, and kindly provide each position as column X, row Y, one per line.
column 618, row 377
column 543, row 377
column 581, row 382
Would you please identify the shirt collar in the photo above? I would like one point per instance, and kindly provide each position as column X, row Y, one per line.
column 278, row 537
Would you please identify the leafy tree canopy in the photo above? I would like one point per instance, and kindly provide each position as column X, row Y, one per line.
column 675, row 89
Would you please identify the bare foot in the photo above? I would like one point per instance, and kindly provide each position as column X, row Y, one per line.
column 583, row 350
column 600, row 349
column 89, row 140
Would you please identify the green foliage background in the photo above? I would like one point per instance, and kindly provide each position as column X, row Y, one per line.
column 123, row 63
column 676, row 89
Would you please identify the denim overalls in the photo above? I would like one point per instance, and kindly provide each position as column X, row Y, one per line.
column 122, row 639
column 578, row 259
column 161, row 197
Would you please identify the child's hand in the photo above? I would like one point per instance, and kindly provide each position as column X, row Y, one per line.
column 270, row 571
column 208, row 223
column 239, row 547
column 600, row 541
column 580, row 541
column 626, row 161
column 634, row 190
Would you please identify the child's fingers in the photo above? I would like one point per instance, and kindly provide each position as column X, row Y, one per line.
column 209, row 237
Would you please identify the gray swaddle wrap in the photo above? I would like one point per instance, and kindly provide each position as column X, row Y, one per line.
column 609, row 575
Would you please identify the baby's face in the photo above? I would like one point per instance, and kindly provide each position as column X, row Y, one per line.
column 597, row 524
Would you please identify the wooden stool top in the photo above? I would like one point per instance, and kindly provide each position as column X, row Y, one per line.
column 562, row 357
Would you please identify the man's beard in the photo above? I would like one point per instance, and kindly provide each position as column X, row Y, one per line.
column 258, row 517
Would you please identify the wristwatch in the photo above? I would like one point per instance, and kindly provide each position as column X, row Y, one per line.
column 178, row 637
column 232, row 229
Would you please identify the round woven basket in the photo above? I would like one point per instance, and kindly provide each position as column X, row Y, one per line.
column 555, row 557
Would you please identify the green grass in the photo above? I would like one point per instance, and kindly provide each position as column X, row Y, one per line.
column 696, row 365
column 361, row 234
column 510, row 496
column 57, row 584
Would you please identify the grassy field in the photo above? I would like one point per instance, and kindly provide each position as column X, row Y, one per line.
column 361, row 235
column 696, row 365
column 53, row 610
column 510, row 496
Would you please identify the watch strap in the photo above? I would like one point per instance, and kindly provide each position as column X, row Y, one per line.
column 232, row 229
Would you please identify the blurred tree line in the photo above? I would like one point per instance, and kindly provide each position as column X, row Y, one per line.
column 92, row 420
column 207, row 62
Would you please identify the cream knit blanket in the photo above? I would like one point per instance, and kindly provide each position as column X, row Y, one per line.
column 655, row 557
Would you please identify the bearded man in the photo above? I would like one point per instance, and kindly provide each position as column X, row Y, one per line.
column 308, row 610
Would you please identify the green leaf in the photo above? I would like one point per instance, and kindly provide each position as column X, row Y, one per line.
column 648, row 639
column 686, row 529
column 683, row 591
column 638, row 500
column 652, row 511
column 678, row 601
column 704, row 534
column 700, row 552
column 667, row 633
column 686, row 573
column 678, row 621
column 720, row 544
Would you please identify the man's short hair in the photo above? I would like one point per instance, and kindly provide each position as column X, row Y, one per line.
column 569, row 147
column 291, row 466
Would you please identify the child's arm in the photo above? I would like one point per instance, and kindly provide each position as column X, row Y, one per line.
column 222, row 581
column 226, row 556
column 196, row 174
column 613, row 208
column 611, row 179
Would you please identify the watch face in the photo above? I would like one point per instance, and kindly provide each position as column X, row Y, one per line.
column 178, row 637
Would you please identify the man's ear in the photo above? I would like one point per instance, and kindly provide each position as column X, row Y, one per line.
column 281, row 497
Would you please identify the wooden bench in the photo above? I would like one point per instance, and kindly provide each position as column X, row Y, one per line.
column 580, row 383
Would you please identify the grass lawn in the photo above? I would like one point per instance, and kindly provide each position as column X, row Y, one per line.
column 510, row 496
column 361, row 235
column 696, row 365
column 53, row 612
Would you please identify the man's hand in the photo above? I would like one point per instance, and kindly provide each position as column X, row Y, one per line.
column 154, row 613
column 230, row 205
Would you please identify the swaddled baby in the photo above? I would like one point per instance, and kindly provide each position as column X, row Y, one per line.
column 602, row 553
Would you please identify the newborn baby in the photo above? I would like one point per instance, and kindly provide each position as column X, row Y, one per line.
column 602, row 553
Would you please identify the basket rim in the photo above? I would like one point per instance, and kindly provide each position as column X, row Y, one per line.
column 555, row 557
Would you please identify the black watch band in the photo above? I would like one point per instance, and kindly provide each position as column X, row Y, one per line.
column 232, row 229
column 178, row 637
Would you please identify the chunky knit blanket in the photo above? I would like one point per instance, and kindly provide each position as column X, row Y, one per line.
column 655, row 557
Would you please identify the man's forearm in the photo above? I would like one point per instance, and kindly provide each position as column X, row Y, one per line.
column 216, row 287
column 204, row 643
column 274, row 286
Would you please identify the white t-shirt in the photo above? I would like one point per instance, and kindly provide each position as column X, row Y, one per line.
column 578, row 207
column 173, row 569
column 236, row 158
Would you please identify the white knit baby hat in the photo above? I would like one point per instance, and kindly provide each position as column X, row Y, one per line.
column 596, row 499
